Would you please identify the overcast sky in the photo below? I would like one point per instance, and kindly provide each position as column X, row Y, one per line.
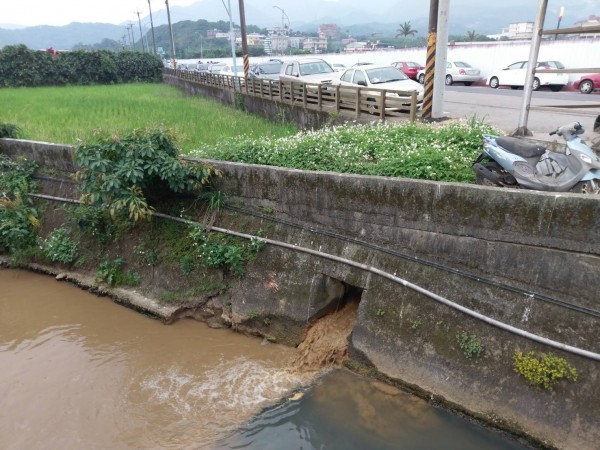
column 63, row 12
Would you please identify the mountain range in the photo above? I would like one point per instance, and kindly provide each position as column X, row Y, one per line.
column 366, row 18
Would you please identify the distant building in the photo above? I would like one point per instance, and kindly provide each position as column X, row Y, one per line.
column 316, row 45
column 267, row 46
column 357, row 47
column 515, row 31
column 211, row 34
column 255, row 39
column 331, row 30
column 278, row 31
column 279, row 44
column 592, row 21
column 296, row 41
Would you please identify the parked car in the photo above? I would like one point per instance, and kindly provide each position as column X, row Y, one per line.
column 216, row 67
column 514, row 75
column 408, row 68
column 310, row 70
column 379, row 76
column 361, row 63
column 588, row 83
column 228, row 70
column 338, row 67
column 456, row 72
column 202, row 68
column 266, row 71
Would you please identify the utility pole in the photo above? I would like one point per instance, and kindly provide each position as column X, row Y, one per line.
column 439, row 77
column 173, row 57
column 132, row 37
column 430, row 61
column 244, row 40
column 231, row 39
column 560, row 16
column 128, row 36
column 534, row 51
column 152, row 28
column 141, row 33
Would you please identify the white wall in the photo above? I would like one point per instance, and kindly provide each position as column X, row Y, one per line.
column 486, row 56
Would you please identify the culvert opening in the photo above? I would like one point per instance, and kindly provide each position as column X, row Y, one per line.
column 328, row 335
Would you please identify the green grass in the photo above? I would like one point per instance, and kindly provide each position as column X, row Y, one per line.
column 68, row 114
column 434, row 152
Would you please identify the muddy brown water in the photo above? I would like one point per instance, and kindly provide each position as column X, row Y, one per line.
column 81, row 372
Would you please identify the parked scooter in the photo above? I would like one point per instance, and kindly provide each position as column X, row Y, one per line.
column 510, row 162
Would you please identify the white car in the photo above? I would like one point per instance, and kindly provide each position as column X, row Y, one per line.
column 514, row 76
column 382, row 77
column 338, row 67
column 456, row 72
column 309, row 70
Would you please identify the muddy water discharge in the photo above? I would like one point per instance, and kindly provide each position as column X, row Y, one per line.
column 80, row 372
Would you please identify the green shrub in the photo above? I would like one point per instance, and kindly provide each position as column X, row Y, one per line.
column 8, row 130
column 19, row 220
column 111, row 273
column 469, row 344
column 218, row 251
column 543, row 372
column 22, row 67
column 95, row 222
column 59, row 247
column 411, row 150
column 125, row 174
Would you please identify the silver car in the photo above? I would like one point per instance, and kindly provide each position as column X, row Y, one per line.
column 309, row 70
column 456, row 72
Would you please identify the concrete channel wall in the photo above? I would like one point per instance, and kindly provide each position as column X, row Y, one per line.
column 527, row 259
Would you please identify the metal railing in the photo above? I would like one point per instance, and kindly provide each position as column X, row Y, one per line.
column 351, row 101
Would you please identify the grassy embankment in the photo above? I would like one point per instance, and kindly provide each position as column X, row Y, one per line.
column 208, row 129
column 68, row 114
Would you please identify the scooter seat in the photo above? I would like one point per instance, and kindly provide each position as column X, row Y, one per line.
column 518, row 147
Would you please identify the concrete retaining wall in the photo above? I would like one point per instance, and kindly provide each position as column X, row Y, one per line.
column 528, row 259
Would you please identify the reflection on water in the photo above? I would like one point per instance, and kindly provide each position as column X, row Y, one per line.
column 346, row 412
column 80, row 372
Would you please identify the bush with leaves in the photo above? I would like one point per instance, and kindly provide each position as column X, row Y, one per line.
column 20, row 67
column 435, row 152
column 59, row 247
column 18, row 217
column 111, row 272
column 223, row 252
column 127, row 174
column 9, row 130
column 544, row 372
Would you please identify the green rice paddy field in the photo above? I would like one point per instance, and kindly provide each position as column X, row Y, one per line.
column 66, row 115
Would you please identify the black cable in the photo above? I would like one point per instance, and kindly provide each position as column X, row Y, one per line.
column 416, row 259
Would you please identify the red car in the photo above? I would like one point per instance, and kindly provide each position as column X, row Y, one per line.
column 587, row 83
column 408, row 68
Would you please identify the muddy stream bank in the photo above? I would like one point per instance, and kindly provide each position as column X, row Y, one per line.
column 80, row 371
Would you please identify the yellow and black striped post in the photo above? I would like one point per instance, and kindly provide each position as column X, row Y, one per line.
column 244, row 39
column 246, row 65
column 430, row 62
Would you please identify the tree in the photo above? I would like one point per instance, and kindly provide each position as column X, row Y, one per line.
column 405, row 30
column 472, row 35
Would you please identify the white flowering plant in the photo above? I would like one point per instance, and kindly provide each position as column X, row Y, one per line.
column 411, row 150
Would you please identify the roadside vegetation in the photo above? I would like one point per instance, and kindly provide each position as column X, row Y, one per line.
column 421, row 151
column 68, row 115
